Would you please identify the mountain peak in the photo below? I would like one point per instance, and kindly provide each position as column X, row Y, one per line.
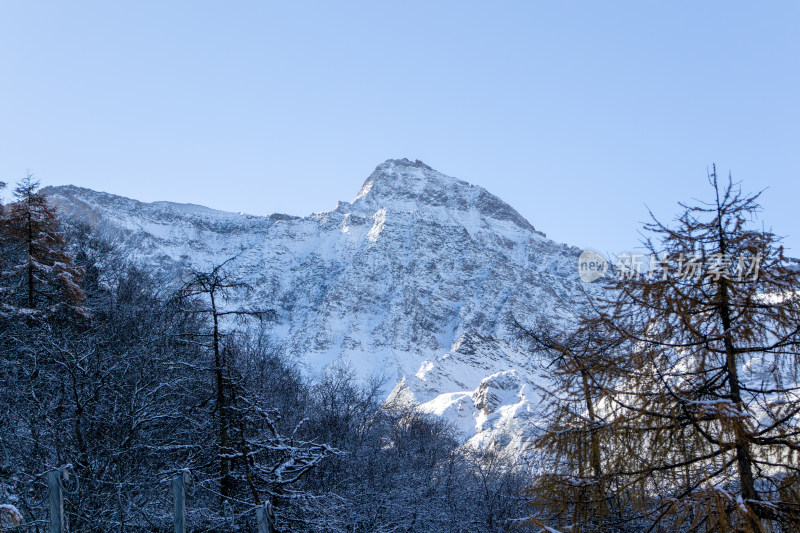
column 404, row 162
column 400, row 175
column 412, row 185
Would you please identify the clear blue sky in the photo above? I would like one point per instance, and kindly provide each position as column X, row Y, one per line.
column 576, row 113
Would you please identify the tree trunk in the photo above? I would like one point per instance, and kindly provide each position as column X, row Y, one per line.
column 29, row 243
column 225, row 487
column 744, row 461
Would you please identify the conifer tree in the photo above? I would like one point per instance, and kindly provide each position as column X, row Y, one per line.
column 39, row 274
column 700, row 398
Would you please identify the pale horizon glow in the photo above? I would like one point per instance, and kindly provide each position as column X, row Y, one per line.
column 578, row 115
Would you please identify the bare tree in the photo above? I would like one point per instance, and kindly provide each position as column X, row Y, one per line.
column 698, row 403
column 206, row 294
column 253, row 452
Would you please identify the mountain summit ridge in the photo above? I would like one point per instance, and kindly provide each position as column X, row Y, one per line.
column 399, row 184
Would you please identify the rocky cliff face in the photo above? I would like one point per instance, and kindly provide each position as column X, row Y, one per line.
column 416, row 280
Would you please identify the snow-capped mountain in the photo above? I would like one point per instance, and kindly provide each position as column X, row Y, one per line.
column 416, row 280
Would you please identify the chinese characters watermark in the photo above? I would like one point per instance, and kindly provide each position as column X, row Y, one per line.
column 634, row 266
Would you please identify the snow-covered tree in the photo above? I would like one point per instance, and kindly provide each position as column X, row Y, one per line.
column 39, row 274
column 258, row 460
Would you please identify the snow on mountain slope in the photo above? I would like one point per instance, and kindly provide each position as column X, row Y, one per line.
column 416, row 279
